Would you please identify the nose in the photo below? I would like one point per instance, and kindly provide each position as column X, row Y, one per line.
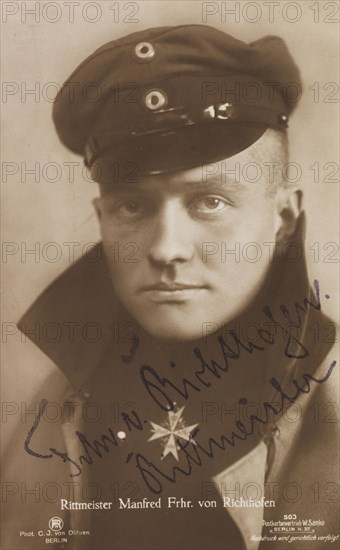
column 172, row 239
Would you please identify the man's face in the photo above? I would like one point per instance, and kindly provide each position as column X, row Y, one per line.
column 187, row 248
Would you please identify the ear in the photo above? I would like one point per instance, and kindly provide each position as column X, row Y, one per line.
column 288, row 210
column 98, row 207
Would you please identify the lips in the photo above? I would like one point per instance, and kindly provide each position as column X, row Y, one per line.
column 167, row 293
column 172, row 287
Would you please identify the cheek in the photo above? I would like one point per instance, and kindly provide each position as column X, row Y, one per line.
column 242, row 256
column 249, row 229
column 257, row 224
column 121, row 248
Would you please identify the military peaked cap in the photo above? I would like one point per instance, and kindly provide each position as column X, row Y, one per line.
column 172, row 98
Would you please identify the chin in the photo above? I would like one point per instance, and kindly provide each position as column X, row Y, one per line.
column 171, row 330
column 173, row 334
column 176, row 323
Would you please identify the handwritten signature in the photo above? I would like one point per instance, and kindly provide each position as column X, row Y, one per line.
column 149, row 470
column 156, row 385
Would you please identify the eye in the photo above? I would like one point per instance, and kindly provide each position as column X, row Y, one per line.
column 130, row 208
column 210, row 203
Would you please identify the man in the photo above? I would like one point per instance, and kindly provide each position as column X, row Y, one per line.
column 178, row 429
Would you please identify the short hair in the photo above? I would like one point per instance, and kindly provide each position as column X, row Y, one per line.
column 271, row 152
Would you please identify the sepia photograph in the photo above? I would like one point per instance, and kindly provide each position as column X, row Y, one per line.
column 170, row 275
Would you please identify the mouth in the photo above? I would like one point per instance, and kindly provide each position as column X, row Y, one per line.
column 172, row 292
column 171, row 287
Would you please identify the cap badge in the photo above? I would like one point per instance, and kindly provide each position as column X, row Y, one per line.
column 155, row 99
column 145, row 51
